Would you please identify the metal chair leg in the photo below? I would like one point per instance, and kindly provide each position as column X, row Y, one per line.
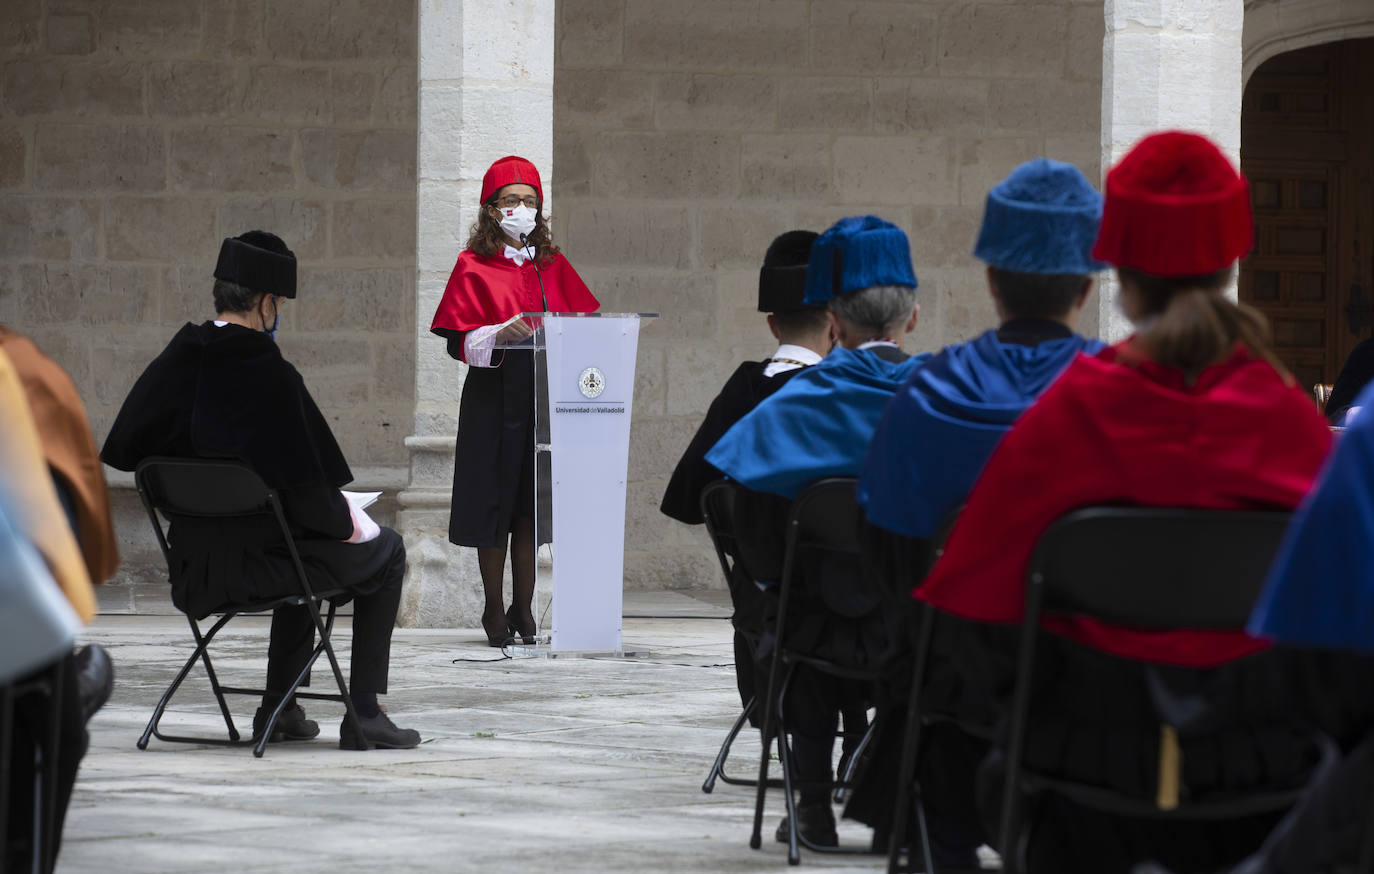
column 327, row 644
column 908, row 789
column 785, row 762
column 851, row 767
column 718, row 767
column 210, row 670
column 201, row 643
column 768, row 731
column 292, row 691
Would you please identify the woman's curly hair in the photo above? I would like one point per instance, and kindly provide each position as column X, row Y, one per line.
column 487, row 238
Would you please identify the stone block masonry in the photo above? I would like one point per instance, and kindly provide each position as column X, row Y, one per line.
column 135, row 134
column 687, row 135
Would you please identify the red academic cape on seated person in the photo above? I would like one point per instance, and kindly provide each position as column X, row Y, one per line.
column 1119, row 429
column 493, row 482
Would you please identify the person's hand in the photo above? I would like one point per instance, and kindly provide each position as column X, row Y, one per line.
column 513, row 333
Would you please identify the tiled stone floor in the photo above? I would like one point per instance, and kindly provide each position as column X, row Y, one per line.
column 565, row 765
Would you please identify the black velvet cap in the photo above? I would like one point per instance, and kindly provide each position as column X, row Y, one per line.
column 782, row 279
column 258, row 261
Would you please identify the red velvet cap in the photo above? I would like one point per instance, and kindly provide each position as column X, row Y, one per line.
column 1175, row 206
column 510, row 170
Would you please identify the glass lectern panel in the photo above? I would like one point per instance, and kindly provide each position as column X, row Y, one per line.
column 526, row 334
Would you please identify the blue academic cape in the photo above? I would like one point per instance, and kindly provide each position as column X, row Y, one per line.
column 1320, row 590
column 817, row 425
column 943, row 424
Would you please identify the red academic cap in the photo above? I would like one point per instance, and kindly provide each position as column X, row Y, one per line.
column 1175, row 206
column 510, row 170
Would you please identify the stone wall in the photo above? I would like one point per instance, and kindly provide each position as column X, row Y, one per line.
column 687, row 135
column 134, row 134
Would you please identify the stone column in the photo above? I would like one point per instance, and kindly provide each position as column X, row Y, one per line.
column 486, row 90
column 1167, row 64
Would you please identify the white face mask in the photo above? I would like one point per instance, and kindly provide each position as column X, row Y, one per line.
column 517, row 221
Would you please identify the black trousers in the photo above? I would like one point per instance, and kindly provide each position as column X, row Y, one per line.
column 815, row 702
column 373, row 572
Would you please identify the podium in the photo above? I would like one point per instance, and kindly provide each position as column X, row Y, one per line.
column 584, row 381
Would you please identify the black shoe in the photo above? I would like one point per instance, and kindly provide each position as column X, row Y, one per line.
column 816, row 823
column 501, row 637
column 513, row 623
column 291, row 725
column 94, row 679
column 380, row 731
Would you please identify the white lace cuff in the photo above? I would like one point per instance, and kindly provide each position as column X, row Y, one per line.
column 477, row 345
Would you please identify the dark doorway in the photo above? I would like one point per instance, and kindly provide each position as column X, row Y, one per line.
column 1307, row 146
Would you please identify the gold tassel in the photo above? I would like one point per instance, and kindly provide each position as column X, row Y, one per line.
column 1170, row 768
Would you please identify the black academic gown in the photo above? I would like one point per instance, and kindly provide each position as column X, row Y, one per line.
column 227, row 392
column 493, row 472
column 743, row 391
column 1355, row 374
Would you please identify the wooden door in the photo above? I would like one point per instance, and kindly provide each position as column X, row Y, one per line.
column 1307, row 146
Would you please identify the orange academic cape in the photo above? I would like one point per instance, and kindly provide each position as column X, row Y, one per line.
column 69, row 448
column 1118, row 429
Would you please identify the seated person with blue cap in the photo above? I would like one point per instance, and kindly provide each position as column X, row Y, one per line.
column 222, row 389
column 819, row 425
column 1038, row 229
column 803, row 334
column 1039, row 225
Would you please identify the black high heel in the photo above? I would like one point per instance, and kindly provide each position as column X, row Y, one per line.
column 502, row 636
column 513, row 624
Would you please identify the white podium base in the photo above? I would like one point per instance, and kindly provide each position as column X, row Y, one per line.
column 542, row 650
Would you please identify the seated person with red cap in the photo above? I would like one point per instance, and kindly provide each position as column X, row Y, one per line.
column 1193, row 410
column 816, row 426
column 1319, row 596
column 509, row 266
column 222, row 389
column 803, row 334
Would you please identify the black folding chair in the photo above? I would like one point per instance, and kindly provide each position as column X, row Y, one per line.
column 903, row 561
column 46, row 685
column 823, row 525
column 718, row 509
column 213, row 489
column 1145, row 568
column 1366, row 860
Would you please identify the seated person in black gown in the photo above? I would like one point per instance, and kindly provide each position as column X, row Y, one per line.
column 1356, row 373
column 222, row 389
column 803, row 334
column 819, row 425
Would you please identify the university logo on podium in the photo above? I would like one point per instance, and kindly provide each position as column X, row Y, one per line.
column 592, row 383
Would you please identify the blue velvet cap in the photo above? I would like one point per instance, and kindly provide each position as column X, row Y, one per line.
column 858, row 253
column 1043, row 218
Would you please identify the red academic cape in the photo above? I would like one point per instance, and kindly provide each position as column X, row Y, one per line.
column 489, row 289
column 1118, row 429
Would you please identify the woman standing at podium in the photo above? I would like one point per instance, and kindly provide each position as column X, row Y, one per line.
column 508, row 266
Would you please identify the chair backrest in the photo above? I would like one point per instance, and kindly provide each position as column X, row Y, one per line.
column 826, row 516
column 1155, row 568
column 204, row 488
column 825, row 572
column 718, row 510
